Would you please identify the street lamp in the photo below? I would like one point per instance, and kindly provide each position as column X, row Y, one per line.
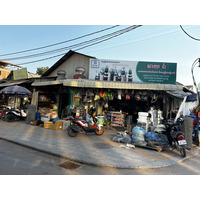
column 197, row 61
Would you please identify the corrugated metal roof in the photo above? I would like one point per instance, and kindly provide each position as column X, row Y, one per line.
column 45, row 83
column 119, row 85
column 7, row 63
column 13, row 83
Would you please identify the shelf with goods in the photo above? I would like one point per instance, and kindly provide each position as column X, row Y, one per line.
column 117, row 119
column 46, row 105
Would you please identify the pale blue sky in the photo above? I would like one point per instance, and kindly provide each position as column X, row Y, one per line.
column 165, row 43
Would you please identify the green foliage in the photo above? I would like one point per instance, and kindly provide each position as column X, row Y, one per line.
column 41, row 70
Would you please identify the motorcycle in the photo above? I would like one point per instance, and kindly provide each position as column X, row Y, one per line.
column 175, row 136
column 14, row 115
column 2, row 113
column 78, row 126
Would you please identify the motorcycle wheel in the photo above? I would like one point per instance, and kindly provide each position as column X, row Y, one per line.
column 183, row 151
column 99, row 131
column 71, row 132
column 10, row 117
column 4, row 117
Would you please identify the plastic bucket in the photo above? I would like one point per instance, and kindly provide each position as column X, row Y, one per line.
column 101, row 120
column 37, row 116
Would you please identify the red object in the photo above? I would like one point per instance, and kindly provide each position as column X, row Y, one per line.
column 194, row 123
column 77, row 76
column 2, row 112
column 180, row 137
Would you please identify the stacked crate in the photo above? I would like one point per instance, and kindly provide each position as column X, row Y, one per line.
column 117, row 119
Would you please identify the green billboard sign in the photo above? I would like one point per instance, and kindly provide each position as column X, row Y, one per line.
column 156, row 72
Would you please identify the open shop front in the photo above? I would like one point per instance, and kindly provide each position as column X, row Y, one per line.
column 119, row 104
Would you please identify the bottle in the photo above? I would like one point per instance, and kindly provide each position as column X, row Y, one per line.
column 97, row 76
column 119, row 76
column 115, row 75
column 109, row 75
column 123, row 75
column 101, row 75
column 130, row 78
column 106, row 74
column 112, row 75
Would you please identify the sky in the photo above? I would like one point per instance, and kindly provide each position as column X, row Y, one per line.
column 158, row 43
column 32, row 24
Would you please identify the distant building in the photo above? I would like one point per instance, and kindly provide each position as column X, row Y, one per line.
column 4, row 71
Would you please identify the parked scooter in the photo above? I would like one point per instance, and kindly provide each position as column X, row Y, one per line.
column 14, row 115
column 78, row 126
column 2, row 113
column 175, row 136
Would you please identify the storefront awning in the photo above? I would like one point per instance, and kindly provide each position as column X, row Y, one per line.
column 12, row 83
column 119, row 85
column 45, row 83
column 177, row 94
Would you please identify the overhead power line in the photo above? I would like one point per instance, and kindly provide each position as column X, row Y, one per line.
column 94, row 43
column 189, row 34
column 76, row 45
column 51, row 45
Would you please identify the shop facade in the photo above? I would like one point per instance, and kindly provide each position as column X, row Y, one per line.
column 117, row 89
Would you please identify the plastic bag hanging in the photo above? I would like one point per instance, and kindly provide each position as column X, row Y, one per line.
column 119, row 92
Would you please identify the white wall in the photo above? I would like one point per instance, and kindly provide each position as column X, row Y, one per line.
column 76, row 60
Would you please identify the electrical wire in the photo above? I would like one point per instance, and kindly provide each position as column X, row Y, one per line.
column 61, row 42
column 189, row 35
column 73, row 46
column 111, row 36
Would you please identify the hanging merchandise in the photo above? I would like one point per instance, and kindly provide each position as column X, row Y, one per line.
column 154, row 98
column 132, row 94
column 109, row 95
column 105, row 95
column 96, row 97
column 112, row 96
column 106, row 105
column 144, row 98
column 71, row 98
column 101, row 93
column 119, row 92
column 84, row 92
column 123, row 93
column 78, row 95
column 137, row 97
column 128, row 97
column 99, row 111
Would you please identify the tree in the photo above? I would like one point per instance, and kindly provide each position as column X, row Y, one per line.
column 41, row 70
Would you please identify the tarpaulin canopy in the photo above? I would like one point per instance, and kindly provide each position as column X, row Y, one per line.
column 182, row 94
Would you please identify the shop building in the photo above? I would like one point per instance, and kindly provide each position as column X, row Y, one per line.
column 116, row 88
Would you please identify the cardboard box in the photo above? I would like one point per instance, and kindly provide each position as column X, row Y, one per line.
column 47, row 124
column 59, row 125
column 52, row 126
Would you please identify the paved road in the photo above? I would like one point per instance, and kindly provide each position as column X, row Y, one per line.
column 19, row 160
column 89, row 149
